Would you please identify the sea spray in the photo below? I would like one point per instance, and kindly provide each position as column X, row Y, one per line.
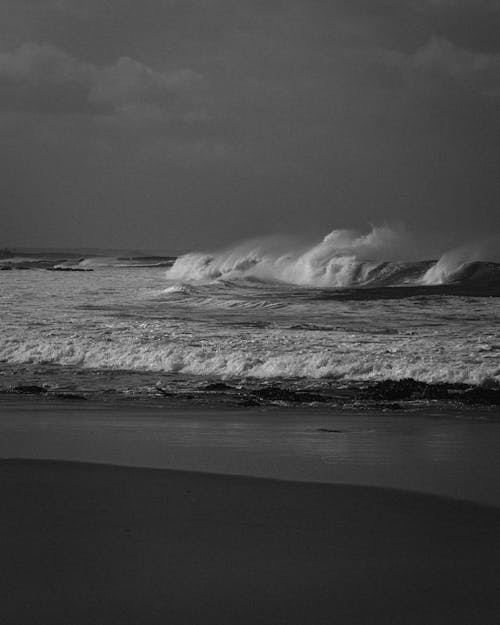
column 452, row 266
column 343, row 259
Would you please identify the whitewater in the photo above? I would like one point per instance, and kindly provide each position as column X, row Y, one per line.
column 262, row 321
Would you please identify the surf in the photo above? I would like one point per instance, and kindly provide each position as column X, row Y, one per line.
column 342, row 259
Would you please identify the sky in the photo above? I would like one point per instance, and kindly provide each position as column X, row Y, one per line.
column 187, row 124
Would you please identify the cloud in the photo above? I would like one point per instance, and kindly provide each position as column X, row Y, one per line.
column 44, row 79
column 131, row 83
column 41, row 78
column 489, row 5
column 440, row 55
column 440, row 68
column 444, row 64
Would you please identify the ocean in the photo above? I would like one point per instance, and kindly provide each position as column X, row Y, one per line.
column 246, row 327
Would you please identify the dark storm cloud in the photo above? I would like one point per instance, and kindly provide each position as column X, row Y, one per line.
column 42, row 78
column 201, row 119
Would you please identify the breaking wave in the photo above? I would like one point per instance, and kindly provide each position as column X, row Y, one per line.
column 423, row 360
column 343, row 259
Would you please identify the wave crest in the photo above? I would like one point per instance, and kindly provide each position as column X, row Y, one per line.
column 343, row 259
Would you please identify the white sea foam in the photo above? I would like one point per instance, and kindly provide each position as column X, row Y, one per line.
column 343, row 258
column 340, row 259
column 335, row 355
column 178, row 288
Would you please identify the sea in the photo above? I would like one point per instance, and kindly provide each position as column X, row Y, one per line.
column 257, row 324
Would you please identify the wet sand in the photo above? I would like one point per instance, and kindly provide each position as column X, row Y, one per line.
column 94, row 544
column 452, row 454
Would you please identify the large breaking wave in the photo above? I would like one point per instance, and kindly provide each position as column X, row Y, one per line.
column 343, row 259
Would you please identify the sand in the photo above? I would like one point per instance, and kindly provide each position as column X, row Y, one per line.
column 95, row 544
column 451, row 454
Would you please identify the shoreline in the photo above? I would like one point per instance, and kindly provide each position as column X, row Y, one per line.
column 87, row 543
column 453, row 454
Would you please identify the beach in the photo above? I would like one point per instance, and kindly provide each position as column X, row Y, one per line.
column 249, row 312
column 94, row 543
column 450, row 453
column 99, row 544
